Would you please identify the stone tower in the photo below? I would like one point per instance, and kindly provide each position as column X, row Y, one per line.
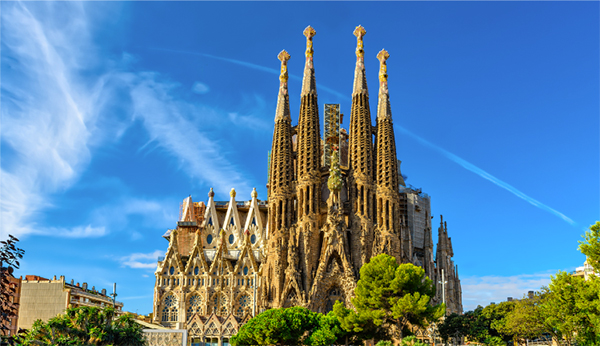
column 308, row 188
column 361, row 174
column 281, row 193
column 389, row 230
column 228, row 260
column 339, row 216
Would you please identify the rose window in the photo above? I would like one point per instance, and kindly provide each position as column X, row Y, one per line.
column 244, row 301
column 170, row 312
column 194, row 303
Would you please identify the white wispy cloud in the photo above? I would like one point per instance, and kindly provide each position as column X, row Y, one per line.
column 255, row 67
column 115, row 214
column 482, row 290
column 141, row 260
column 168, row 121
column 487, row 176
column 61, row 100
column 200, row 88
column 75, row 232
column 45, row 117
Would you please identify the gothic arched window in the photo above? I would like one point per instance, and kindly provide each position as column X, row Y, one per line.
column 333, row 295
column 170, row 311
column 193, row 305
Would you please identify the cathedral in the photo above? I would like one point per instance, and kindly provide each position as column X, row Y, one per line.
column 333, row 203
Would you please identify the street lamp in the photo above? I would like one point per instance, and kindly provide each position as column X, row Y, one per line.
column 114, row 295
column 443, row 282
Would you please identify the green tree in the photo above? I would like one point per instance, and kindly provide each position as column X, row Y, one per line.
column 496, row 315
column 328, row 332
column 390, row 297
column 10, row 255
column 591, row 246
column 560, row 309
column 525, row 321
column 411, row 341
column 85, row 326
column 285, row 326
column 454, row 325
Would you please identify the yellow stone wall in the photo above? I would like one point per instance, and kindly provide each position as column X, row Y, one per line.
column 41, row 300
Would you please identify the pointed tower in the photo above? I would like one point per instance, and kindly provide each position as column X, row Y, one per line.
column 451, row 292
column 280, row 189
column 308, row 189
column 362, row 189
column 388, row 229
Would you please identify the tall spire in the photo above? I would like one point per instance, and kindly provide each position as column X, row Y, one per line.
column 360, row 79
column 362, row 189
column 308, row 187
column 387, row 161
column 281, row 176
column 281, row 173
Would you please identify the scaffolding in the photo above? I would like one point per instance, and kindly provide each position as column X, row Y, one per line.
column 331, row 131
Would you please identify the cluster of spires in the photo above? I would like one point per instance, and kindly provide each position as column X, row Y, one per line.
column 295, row 186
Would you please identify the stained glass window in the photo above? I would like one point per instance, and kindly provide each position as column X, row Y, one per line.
column 170, row 312
column 244, row 300
column 231, row 239
column 194, row 305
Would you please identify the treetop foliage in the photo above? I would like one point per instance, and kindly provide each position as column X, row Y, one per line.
column 290, row 326
column 10, row 255
column 591, row 246
column 389, row 296
column 85, row 326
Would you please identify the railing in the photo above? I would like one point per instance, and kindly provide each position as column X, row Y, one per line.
column 240, row 203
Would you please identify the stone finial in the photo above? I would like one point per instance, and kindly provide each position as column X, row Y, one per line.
column 382, row 56
column 309, row 85
column 232, row 193
column 283, row 57
column 282, row 112
column 254, row 193
column 359, row 32
column 360, row 78
column 309, row 32
column 211, row 193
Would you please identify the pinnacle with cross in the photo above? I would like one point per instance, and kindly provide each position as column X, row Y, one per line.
column 359, row 32
column 383, row 55
column 284, row 57
column 309, row 32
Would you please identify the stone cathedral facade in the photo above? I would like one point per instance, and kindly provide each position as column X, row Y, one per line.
column 323, row 219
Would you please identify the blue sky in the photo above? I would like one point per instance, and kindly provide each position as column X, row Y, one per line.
column 113, row 112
